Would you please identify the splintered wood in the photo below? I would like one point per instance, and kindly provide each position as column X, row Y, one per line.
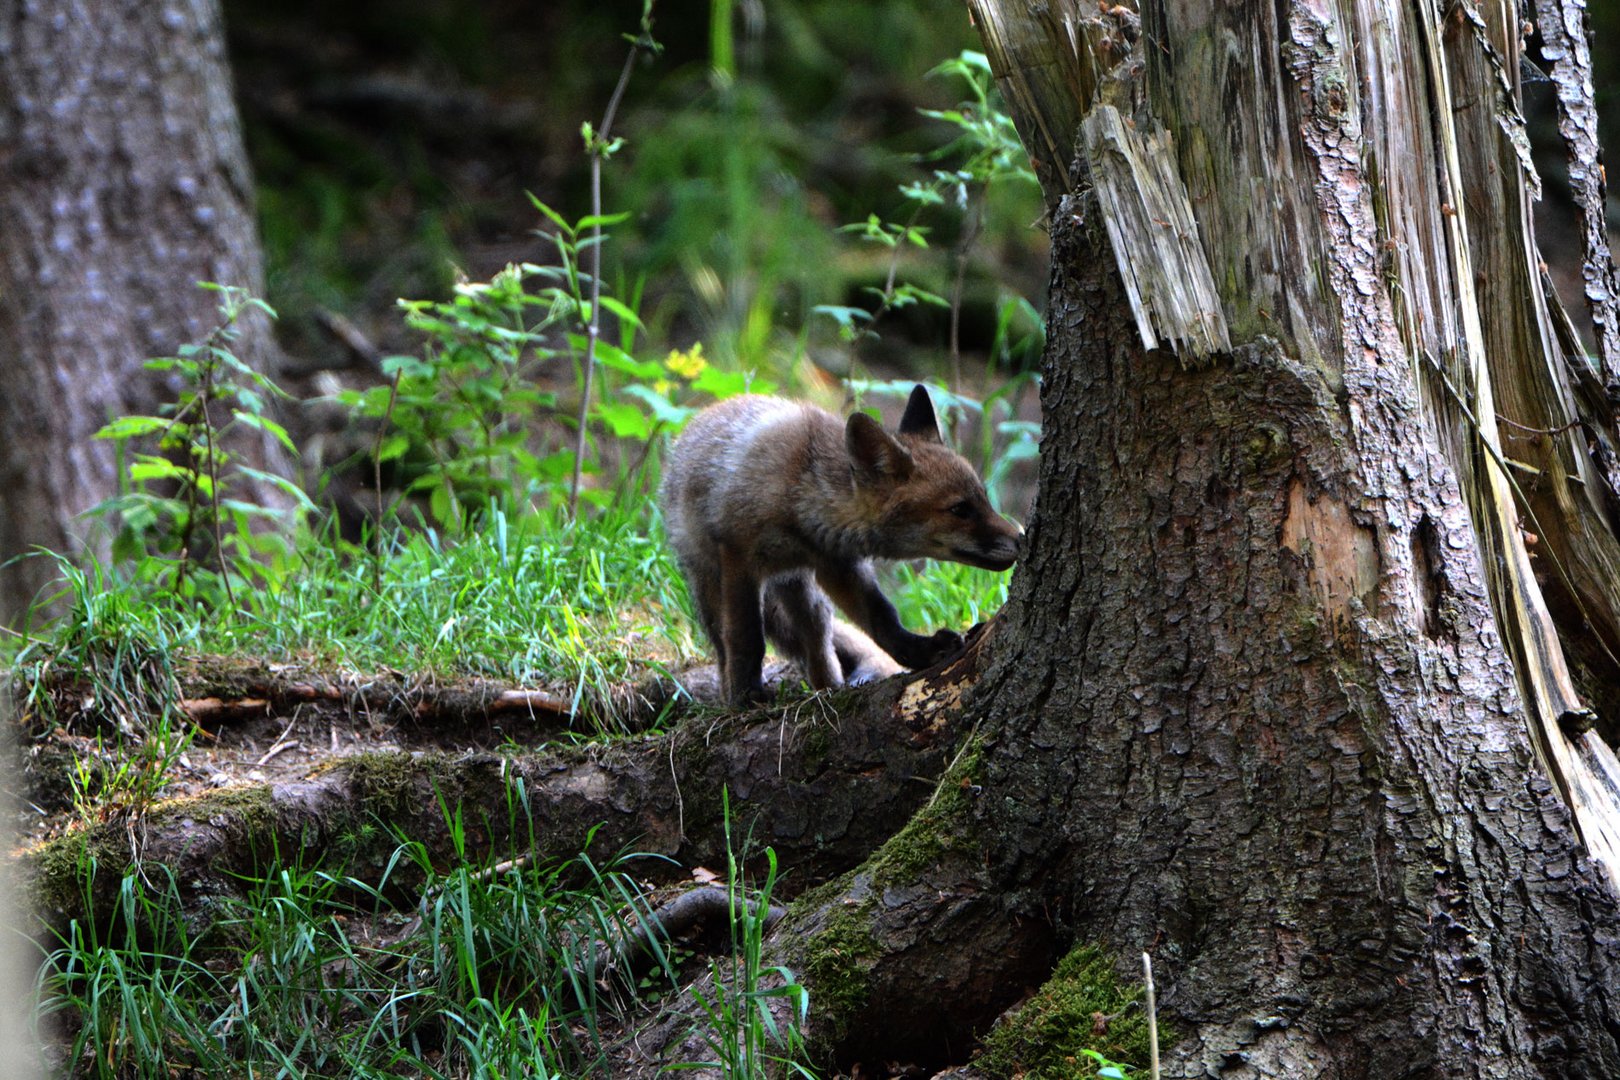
column 1154, row 236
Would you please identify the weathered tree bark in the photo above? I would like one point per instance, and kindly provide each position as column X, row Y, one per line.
column 123, row 183
column 1277, row 696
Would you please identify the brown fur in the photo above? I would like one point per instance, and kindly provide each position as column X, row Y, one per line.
column 776, row 510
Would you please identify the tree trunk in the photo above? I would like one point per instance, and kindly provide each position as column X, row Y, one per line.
column 1277, row 697
column 123, row 183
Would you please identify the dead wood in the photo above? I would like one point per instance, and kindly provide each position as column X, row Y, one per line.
column 221, row 691
column 823, row 779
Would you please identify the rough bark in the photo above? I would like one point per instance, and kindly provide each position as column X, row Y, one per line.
column 1566, row 32
column 1251, row 709
column 123, row 183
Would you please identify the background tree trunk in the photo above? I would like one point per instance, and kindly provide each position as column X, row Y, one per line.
column 123, row 183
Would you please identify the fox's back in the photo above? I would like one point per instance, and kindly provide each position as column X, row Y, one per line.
column 739, row 472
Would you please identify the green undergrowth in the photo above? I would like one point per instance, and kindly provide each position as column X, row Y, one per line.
column 581, row 605
column 1083, row 1010
column 491, row 971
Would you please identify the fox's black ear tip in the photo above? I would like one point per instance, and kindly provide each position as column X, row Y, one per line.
column 919, row 419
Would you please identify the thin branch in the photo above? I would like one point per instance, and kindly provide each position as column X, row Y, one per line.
column 599, row 142
column 213, row 477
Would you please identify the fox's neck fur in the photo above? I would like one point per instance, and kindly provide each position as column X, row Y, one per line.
column 840, row 516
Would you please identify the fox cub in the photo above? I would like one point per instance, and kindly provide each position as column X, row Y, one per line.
column 776, row 510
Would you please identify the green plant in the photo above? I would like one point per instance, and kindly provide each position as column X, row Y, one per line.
column 455, row 421
column 740, row 1029
column 988, row 154
column 1083, row 1018
column 181, row 500
column 112, row 659
column 599, row 146
column 130, row 1002
column 1106, row 1069
column 314, row 973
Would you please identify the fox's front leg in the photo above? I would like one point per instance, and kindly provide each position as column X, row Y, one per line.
column 855, row 590
column 742, row 629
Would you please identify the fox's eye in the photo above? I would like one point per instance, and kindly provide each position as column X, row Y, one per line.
column 963, row 509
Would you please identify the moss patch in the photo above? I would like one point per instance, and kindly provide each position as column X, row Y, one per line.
column 945, row 824
column 1082, row 1006
column 839, row 960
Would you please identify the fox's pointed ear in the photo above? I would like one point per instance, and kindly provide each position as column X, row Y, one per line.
column 875, row 454
column 919, row 420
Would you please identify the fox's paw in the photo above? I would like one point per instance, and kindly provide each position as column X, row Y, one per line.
column 946, row 644
column 745, row 694
column 922, row 652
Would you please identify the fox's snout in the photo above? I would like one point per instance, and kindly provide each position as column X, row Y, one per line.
column 996, row 547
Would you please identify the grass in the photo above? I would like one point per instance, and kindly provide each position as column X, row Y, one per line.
column 489, row 969
column 581, row 604
column 317, row 974
column 490, row 974
column 743, row 1032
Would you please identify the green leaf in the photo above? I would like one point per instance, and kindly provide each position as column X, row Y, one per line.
column 265, row 424
column 129, row 427
column 281, row 483
column 920, row 192
column 846, row 317
column 611, row 356
column 604, row 220
column 624, row 420
column 665, row 411
column 625, row 314
column 393, row 446
column 151, row 467
column 406, row 366
column 725, row 384
column 910, row 294
column 556, row 218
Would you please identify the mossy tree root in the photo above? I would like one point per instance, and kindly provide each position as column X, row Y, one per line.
column 824, row 780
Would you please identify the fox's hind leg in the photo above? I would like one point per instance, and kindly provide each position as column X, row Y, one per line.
column 799, row 622
column 860, row 657
column 704, row 585
column 742, row 632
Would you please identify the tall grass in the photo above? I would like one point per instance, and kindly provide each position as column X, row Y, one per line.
column 490, row 973
column 546, row 600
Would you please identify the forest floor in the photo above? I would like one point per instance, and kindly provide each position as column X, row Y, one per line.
column 261, row 722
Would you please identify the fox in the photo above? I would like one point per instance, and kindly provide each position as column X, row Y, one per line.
column 776, row 511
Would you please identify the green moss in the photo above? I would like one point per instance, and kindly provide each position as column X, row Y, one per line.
column 62, row 866
column 945, row 824
column 1082, row 1006
column 58, row 881
column 386, row 782
column 839, row 959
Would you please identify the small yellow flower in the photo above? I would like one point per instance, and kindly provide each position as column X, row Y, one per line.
column 688, row 365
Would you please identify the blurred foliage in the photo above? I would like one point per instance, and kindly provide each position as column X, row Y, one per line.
column 393, row 144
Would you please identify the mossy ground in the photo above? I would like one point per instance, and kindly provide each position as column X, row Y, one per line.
column 1082, row 1006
